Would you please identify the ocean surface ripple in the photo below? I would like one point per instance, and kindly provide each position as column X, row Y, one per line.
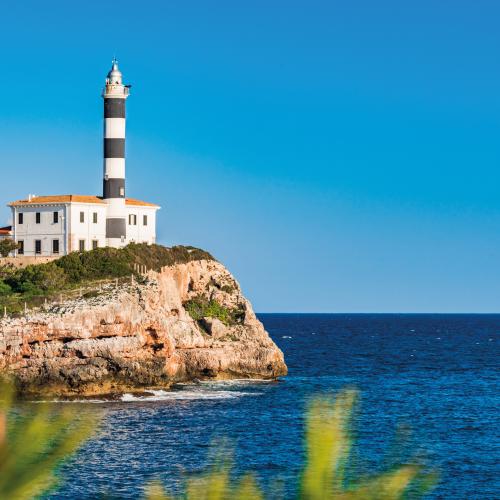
column 436, row 375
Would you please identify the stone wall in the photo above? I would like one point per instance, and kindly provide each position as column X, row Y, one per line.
column 23, row 260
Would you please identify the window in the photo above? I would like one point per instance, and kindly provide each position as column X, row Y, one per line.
column 20, row 246
column 122, row 192
column 132, row 220
column 95, row 244
column 82, row 216
column 20, row 218
column 144, row 220
column 94, row 217
column 37, row 217
column 38, row 246
column 56, row 217
column 81, row 245
column 55, row 245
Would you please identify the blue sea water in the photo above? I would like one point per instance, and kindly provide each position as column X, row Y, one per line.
column 435, row 374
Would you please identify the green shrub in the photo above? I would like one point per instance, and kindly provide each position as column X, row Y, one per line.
column 7, row 245
column 108, row 262
column 201, row 307
column 95, row 264
column 156, row 256
column 4, row 289
column 79, row 268
column 42, row 277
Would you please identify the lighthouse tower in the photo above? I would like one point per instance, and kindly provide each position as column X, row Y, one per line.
column 115, row 94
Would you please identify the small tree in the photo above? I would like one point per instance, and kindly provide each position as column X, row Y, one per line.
column 7, row 245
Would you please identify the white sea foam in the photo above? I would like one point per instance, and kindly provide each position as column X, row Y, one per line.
column 286, row 337
column 183, row 395
column 153, row 395
column 234, row 382
column 201, row 390
column 66, row 401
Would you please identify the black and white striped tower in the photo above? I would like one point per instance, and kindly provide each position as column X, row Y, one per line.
column 114, row 94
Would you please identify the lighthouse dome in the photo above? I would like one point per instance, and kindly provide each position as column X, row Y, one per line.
column 114, row 75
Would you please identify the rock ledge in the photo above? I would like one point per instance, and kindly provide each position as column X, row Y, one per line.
column 139, row 336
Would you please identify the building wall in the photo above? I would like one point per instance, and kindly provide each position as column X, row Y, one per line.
column 86, row 231
column 69, row 222
column 45, row 231
column 136, row 230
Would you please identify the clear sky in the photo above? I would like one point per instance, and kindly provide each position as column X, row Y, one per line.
column 337, row 156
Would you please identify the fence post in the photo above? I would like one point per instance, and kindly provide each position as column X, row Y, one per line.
column 25, row 308
column 131, row 279
column 60, row 298
column 116, row 282
column 4, row 311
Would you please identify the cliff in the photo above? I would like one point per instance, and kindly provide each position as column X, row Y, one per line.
column 187, row 321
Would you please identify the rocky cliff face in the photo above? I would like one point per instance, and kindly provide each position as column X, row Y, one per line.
column 141, row 335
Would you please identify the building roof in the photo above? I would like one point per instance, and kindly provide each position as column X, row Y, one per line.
column 139, row 203
column 64, row 198
column 73, row 198
column 6, row 230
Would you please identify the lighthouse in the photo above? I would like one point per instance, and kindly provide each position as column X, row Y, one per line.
column 115, row 94
column 55, row 225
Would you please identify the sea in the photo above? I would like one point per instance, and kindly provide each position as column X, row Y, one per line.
column 428, row 389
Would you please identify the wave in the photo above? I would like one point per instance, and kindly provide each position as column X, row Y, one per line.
column 233, row 382
column 158, row 395
column 182, row 395
column 198, row 389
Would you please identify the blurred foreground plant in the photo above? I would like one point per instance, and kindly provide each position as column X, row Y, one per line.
column 33, row 444
column 328, row 445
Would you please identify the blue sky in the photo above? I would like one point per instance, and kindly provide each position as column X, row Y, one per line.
column 337, row 156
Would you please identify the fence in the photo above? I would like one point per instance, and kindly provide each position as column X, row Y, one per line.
column 19, row 305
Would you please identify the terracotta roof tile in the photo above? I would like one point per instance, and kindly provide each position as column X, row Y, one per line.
column 65, row 198
column 131, row 201
column 75, row 198
column 6, row 230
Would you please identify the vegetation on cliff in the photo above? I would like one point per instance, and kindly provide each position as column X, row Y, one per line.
column 201, row 307
column 35, row 282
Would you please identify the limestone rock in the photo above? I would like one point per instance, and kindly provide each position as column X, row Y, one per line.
column 139, row 336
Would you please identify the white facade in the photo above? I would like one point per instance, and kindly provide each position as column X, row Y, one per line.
column 141, row 224
column 44, row 227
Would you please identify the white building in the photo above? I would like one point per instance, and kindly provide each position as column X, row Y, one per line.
column 58, row 225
